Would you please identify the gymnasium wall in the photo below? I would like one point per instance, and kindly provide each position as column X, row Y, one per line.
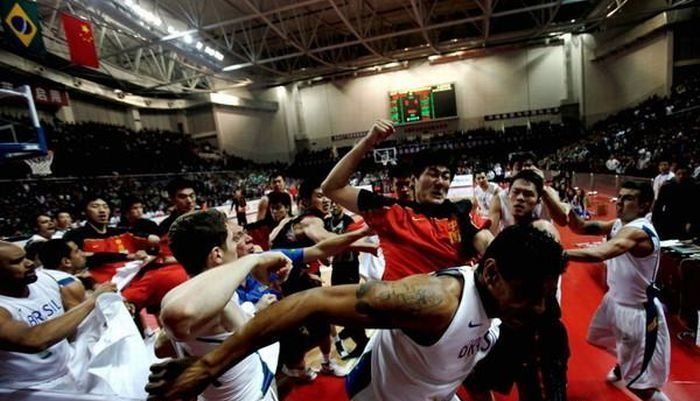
column 510, row 81
column 626, row 77
column 166, row 121
column 86, row 109
column 200, row 120
column 252, row 133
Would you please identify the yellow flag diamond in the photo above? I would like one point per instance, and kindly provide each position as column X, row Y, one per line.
column 20, row 23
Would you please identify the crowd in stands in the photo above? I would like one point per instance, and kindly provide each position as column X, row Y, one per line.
column 177, row 256
column 68, row 194
column 631, row 142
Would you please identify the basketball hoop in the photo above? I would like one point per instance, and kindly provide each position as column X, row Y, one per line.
column 385, row 156
column 40, row 165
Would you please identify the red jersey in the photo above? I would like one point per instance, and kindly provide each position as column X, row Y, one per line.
column 418, row 238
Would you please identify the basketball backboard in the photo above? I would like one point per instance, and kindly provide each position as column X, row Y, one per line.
column 21, row 138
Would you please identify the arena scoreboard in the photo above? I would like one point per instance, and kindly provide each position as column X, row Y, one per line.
column 422, row 104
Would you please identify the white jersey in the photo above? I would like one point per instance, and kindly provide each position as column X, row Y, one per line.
column 484, row 198
column 249, row 380
column 22, row 370
column 628, row 277
column 659, row 181
column 62, row 278
column 395, row 368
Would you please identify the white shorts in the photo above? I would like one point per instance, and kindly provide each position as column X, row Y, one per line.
column 622, row 330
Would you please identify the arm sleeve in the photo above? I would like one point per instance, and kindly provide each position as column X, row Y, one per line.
column 368, row 201
column 295, row 254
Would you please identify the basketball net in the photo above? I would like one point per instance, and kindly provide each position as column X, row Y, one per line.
column 385, row 156
column 41, row 165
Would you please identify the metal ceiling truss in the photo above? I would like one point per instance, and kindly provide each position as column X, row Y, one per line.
column 269, row 42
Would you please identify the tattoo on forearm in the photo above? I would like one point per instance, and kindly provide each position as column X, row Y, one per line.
column 593, row 228
column 378, row 300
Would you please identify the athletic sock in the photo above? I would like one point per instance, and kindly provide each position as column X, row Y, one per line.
column 326, row 358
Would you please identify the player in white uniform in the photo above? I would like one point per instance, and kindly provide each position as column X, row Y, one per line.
column 34, row 325
column 630, row 321
column 484, row 192
column 665, row 174
column 63, row 260
column 437, row 326
column 202, row 312
column 534, row 358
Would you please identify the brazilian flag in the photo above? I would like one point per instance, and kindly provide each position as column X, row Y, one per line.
column 20, row 21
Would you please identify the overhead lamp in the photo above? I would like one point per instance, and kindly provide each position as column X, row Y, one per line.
column 235, row 67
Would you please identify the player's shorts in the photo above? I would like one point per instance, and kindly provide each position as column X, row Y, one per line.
column 638, row 336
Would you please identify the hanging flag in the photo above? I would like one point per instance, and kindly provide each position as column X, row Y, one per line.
column 20, row 20
column 81, row 42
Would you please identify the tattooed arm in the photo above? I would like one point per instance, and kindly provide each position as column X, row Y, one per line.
column 594, row 227
column 421, row 305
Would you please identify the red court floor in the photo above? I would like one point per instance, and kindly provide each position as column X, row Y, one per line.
column 582, row 289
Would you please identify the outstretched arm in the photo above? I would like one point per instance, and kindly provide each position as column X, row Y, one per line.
column 594, row 227
column 422, row 304
column 336, row 185
column 18, row 336
column 557, row 209
column 334, row 245
column 624, row 241
column 315, row 231
column 262, row 208
column 495, row 214
column 185, row 311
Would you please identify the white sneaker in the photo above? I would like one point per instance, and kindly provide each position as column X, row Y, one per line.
column 306, row 374
column 330, row 368
column 614, row 375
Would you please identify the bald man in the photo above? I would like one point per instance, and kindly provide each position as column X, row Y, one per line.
column 34, row 324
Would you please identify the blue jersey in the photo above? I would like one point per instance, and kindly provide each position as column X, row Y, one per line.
column 252, row 290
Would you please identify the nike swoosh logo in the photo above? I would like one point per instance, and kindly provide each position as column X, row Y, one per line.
column 472, row 325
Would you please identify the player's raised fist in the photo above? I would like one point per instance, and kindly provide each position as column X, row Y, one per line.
column 380, row 130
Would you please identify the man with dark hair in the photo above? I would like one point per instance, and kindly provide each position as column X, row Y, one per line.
column 484, row 192
column 64, row 223
column 132, row 219
column 345, row 270
column 279, row 208
column 208, row 246
column 280, row 205
column 534, row 357
column 184, row 198
column 63, row 261
column 675, row 214
column 434, row 327
column 417, row 237
column 45, row 230
column 630, row 321
column 112, row 248
column 665, row 174
column 551, row 207
column 278, row 185
column 302, row 231
column 239, row 206
column 401, row 183
column 35, row 323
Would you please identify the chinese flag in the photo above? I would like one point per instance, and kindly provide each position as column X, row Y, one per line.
column 80, row 41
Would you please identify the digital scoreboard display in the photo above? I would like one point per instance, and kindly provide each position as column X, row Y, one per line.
column 422, row 104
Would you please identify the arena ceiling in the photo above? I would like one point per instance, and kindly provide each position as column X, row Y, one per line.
column 195, row 45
